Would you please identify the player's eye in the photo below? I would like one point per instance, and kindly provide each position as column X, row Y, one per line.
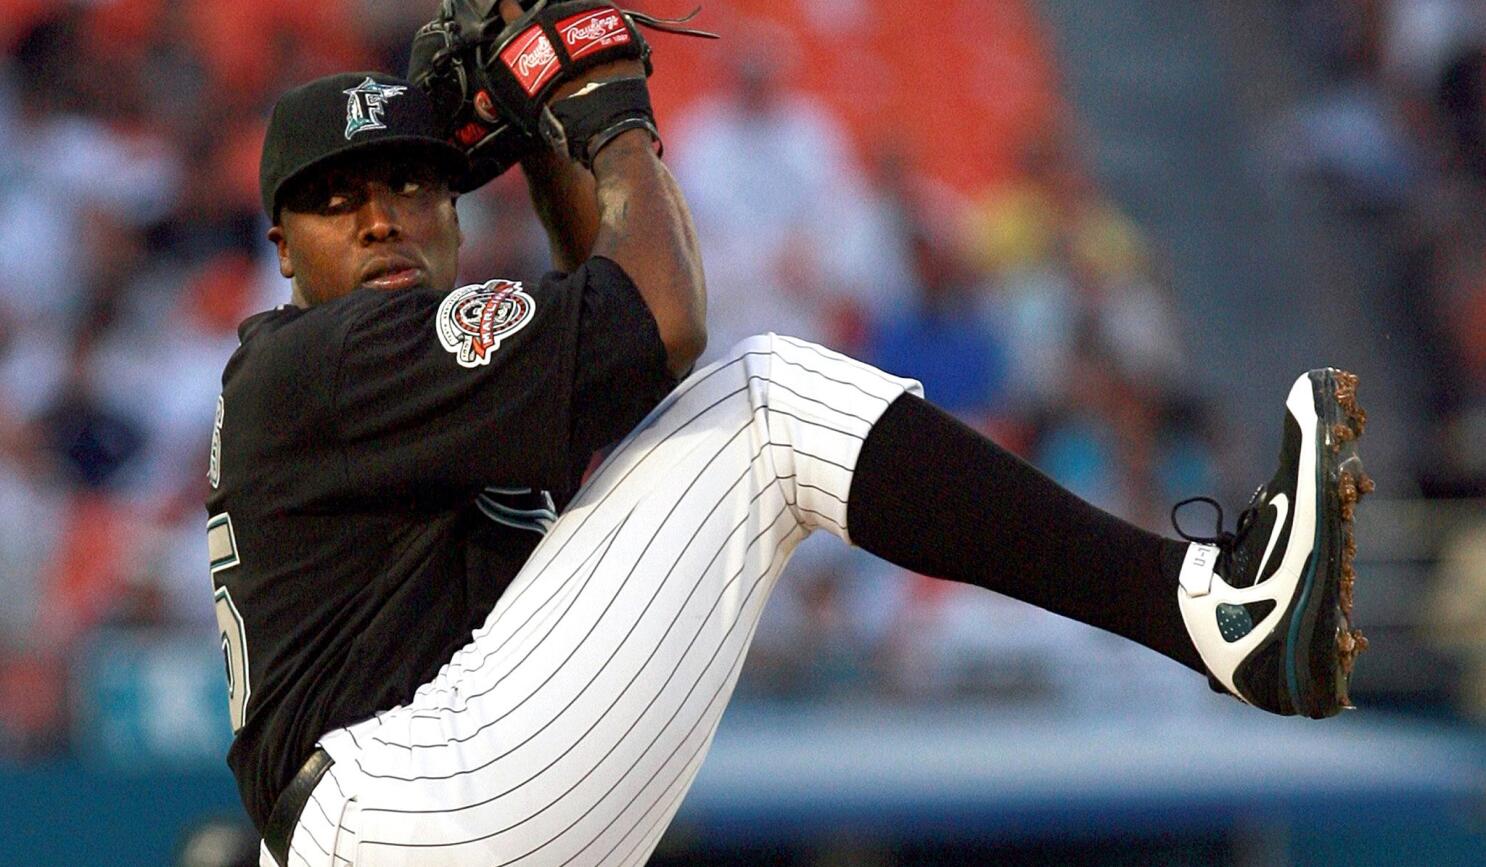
column 409, row 187
column 340, row 199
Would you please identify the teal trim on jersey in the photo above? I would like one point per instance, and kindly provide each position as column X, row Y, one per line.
column 539, row 520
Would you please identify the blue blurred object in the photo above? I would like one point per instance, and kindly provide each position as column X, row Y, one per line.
column 1366, row 789
column 1079, row 453
column 148, row 699
column 960, row 359
column 151, row 734
column 112, row 817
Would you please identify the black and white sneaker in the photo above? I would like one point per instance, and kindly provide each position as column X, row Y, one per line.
column 1269, row 606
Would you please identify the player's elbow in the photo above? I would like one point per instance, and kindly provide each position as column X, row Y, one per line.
column 685, row 341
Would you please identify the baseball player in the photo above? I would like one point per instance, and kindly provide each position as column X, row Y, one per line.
column 441, row 649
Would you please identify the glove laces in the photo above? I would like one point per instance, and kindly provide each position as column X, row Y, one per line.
column 671, row 25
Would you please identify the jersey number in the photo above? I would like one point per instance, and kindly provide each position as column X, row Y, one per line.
column 234, row 656
column 222, row 545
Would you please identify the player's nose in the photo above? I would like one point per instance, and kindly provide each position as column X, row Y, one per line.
column 379, row 218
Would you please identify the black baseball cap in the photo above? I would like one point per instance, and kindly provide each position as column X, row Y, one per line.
column 342, row 113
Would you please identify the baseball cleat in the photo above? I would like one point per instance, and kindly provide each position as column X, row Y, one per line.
column 1269, row 606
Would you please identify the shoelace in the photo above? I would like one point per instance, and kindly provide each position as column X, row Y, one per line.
column 1224, row 540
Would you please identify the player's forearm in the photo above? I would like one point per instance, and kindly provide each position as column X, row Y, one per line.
column 562, row 193
column 645, row 227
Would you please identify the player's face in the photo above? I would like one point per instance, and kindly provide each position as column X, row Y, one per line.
column 380, row 221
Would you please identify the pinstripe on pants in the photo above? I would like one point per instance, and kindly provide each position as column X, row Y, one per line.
column 570, row 727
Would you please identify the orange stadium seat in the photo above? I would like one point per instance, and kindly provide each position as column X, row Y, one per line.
column 242, row 40
column 896, row 75
column 246, row 46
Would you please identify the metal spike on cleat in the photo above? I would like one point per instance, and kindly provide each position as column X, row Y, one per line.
column 1346, row 397
column 1353, row 485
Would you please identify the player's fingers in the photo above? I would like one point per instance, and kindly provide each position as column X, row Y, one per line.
column 510, row 10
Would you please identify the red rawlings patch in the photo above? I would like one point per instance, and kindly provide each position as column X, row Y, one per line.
column 589, row 31
column 531, row 58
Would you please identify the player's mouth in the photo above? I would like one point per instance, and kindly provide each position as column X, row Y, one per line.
column 391, row 273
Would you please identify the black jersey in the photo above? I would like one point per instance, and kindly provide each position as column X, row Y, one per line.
column 382, row 466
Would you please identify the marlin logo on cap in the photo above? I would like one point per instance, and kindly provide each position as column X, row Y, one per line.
column 364, row 108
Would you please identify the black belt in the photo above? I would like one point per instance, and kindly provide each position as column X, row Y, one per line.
column 279, row 832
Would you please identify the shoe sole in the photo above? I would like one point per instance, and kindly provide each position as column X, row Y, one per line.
column 1322, row 644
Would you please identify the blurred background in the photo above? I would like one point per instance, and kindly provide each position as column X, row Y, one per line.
column 1109, row 233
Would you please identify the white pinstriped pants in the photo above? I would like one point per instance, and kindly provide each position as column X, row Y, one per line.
column 571, row 726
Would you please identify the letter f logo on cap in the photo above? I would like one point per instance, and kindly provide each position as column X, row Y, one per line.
column 365, row 105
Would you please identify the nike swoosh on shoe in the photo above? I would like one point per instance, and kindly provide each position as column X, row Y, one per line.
column 1281, row 504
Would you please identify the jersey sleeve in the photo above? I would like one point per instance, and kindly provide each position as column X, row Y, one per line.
column 621, row 371
column 441, row 394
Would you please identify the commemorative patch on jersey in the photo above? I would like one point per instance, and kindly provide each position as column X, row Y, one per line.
column 473, row 320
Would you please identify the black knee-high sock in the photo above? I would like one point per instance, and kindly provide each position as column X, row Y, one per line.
column 932, row 495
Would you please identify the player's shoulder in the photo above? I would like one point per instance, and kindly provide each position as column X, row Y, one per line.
column 288, row 341
column 291, row 333
column 284, row 344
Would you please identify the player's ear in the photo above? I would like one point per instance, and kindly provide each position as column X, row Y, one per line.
column 276, row 237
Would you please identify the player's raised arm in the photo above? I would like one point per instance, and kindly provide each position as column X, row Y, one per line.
column 569, row 75
column 562, row 192
column 645, row 227
column 628, row 209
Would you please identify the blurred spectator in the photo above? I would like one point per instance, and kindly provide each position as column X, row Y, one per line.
column 942, row 332
column 787, row 227
column 1462, row 101
column 1097, row 441
column 1097, row 360
column 1350, row 135
column 166, row 354
column 1120, row 443
column 28, row 520
column 833, row 627
column 1060, row 259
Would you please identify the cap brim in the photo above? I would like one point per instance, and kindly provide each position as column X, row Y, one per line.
column 452, row 158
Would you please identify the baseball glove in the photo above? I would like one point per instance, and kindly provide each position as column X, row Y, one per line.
column 491, row 81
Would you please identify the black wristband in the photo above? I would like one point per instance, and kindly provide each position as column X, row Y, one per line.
column 580, row 125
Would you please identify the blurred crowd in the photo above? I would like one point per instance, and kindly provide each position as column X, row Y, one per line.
column 1393, row 135
column 131, row 245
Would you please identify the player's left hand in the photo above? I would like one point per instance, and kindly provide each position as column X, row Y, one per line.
column 492, row 74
